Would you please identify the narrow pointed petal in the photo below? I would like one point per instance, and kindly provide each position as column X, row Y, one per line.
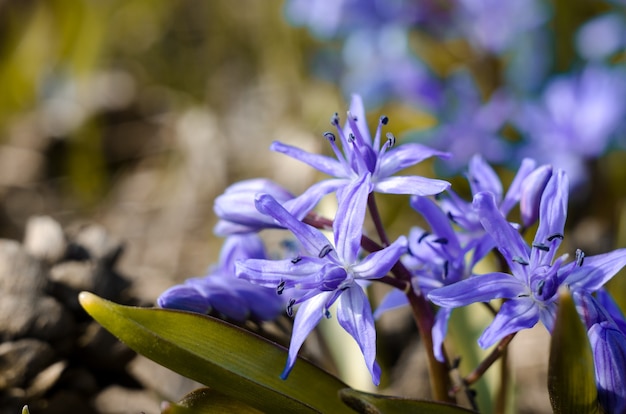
column 481, row 288
column 513, row 316
column 307, row 317
column 378, row 264
column 553, row 210
column 440, row 329
column 305, row 202
column 357, row 110
column 507, row 239
column 406, row 155
column 312, row 240
column 185, row 298
column 532, row 190
column 249, row 246
column 411, row 184
column 322, row 163
column 355, row 316
column 270, row 273
column 514, row 194
column 608, row 345
column 438, row 221
column 482, row 178
column 348, row 224
column 596, row 270
column 393, row 300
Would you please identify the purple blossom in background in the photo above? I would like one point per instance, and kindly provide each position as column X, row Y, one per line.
column 325, row 273
column 237, row 211
column 575, row 120
column 495, row 25
column 222, row 293
column 535, row 273
column 601, row 37
column 605, row 328
column 362, row 156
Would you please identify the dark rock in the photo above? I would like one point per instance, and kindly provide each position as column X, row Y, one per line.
column 21, row 360
column 102, row 351
column 116, row 400
column 19, row 272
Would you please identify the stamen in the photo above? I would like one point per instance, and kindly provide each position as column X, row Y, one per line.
column 541, row 246
column 580, row 257
column 351, row 137
column 352, row 117
column 325, row 250
column 451, row 217
column 290, row 307
column 384, row 119
column 540, row 286
column 334, row 120
column 555, row 236
column 280, row 288
column 327, row 314
column 423, row 236
column 523, row 295
column 446, row 266
column 296, row 259
column 391, row 139
column 441, row 240
column 330, row 136
column 520, row 260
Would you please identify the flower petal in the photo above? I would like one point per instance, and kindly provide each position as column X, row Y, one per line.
column 307, row 317
column 348, row 224
column 596, row 270
column 355, row 316
column 482, row 178
column 377, row 264
column 312, row 240
column 404, row 156
column 410, row 184
column 514, row 193
column 393, row 300
column 552, row 215
column 440, row 329
column 438, row 221
column 270, row 273
column 507, row 239
column 482, row 288
column 513, row 316
column 322, row 163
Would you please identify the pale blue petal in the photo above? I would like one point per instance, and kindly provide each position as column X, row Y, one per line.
column 440, row 329
column 357, row 110
column 305, row 202
column 185, row 298
column 482, row 288
column 552, row 215
column 393, row 300
column 531, row 192
column 307, row 317
column 482, row 178
column 348, row 224
column 514, row 194
column 248, row 246
column 355, row 316
column 312, row 240
column 507, row 239
column 596, row 270
column 513, row 316
column 270, row 273
column 379, row 263
column 608, row 345
column 322, row 163
column 410, row 184
column 404, row 156
column 438, row 221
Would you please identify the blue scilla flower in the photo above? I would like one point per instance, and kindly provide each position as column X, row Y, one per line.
column 223, row 294
column 361, row 156
column 325, row 272
column 607, row 336
column 531, row 288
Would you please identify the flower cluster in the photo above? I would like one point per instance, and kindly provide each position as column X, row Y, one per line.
column 432, row 270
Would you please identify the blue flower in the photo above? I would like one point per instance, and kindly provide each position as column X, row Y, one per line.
column 221, row 293
column 238, row 214
column 363, row 156
column 325, row 272
column 605, row 328
column 535, row 273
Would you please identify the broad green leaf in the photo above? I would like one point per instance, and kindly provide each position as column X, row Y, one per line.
column 234, row 362
column 208, row 401
column 366, row 403
column 571, row 381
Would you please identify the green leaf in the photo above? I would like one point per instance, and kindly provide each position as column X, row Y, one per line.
column 232, row 361
column 571, row 380
column 208, row 401
column 366, row 403
column 25, row 410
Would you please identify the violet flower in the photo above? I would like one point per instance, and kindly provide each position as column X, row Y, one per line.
column 325, row 272
column 535, row 273
column 221, row 293
column 363, row 156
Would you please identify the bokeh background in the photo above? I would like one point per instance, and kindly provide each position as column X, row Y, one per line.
column 136, row 114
